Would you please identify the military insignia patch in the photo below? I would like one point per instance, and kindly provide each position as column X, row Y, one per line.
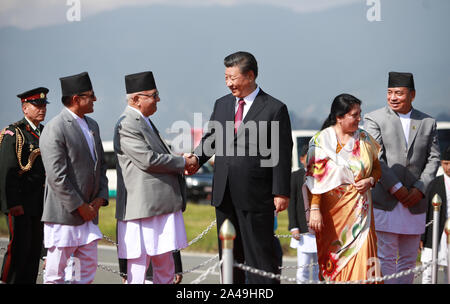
column 9, row 132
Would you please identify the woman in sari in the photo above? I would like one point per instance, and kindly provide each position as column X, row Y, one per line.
column 342, row 166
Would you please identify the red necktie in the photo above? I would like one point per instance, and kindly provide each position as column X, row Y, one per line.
column 239, row 114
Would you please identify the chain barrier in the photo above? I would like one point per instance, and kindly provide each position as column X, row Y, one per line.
column 203, row 276
column 290, row 235
column 417, row 270
column 200, row 265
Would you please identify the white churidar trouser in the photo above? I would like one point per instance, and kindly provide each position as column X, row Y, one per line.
column 85, row 264
column 162, row 264
column 397, row 253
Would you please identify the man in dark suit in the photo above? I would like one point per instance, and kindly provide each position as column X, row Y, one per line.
column 250, row 134
column 441, row 186
column 22, row 179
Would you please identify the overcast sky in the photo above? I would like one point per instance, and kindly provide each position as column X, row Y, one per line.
column 29, row 14
column 308, row 52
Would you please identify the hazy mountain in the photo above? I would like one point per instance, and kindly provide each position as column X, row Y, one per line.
column 305, row 59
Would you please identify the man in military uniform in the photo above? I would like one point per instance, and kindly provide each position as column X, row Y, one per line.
column 22, row 179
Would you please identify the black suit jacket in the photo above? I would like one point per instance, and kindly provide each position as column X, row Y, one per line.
column 436, row 186
column 296, row 209
column 252, row 186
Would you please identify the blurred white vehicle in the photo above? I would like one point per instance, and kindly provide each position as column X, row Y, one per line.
column 110, row 159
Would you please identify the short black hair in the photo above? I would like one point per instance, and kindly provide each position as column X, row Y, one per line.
column 245, row 61
column 66, row 100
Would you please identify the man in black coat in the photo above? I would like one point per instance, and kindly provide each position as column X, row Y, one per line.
column 441, row 186
column 250, row 135
column 22, row 180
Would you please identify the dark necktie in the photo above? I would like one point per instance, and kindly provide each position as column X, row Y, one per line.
column 238, row 115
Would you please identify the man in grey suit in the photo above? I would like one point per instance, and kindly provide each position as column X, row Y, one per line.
column 409, row 159
column 76, row 183
column 151, row 193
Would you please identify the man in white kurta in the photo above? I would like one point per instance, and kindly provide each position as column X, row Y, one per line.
column 76, row 184
column 151, row 187
column 409, row 159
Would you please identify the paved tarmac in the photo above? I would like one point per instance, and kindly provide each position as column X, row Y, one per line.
column 107, row 259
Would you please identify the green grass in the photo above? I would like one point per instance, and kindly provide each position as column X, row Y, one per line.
column 196, row 219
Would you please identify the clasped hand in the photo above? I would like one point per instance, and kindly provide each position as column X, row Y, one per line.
column 408, row 198
column 89, row 211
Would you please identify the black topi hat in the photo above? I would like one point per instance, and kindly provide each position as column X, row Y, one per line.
column 446, row 154
column 37, row 96
column 397, row 79
column 75, row 84
column 139, row 82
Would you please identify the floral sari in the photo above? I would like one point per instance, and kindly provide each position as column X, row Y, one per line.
column 347, row 249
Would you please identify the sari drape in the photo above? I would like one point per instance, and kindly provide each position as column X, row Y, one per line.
column 347, row 244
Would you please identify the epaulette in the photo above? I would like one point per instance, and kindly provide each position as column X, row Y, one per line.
column 17, row 123
column 19, row 146
column 5, row 131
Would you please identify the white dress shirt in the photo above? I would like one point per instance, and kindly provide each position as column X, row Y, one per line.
column 35, row 129
column 248, row 102
column 400, row 220
column 86, row 131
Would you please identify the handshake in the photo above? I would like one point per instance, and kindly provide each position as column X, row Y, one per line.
column 191, row 163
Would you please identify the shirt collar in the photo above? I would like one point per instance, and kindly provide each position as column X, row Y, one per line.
column 407, row 115
column 251, row 97
column 137, row 111
column 73, row 114
column 31, row 124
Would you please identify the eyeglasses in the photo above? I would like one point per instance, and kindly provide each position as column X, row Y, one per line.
column 154, row 95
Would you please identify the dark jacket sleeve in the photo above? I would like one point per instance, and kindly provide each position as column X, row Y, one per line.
column 206, row 148
column 177, row 261
column 292, row 208
column 282, row 170
column 9, row 173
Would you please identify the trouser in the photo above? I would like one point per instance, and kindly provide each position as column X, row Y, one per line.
column 305, row 272
column 254, row 244
column 397, row 253
column 21, row 260
column 149, row 275
column 163, row 268
column 85, row 263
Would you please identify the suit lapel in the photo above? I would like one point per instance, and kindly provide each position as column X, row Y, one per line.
column 94, row 135
column 414, row 127
column 161, row 140
column 150, row 133
column 397, row 125
column 258, row 104
column 73, row 122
